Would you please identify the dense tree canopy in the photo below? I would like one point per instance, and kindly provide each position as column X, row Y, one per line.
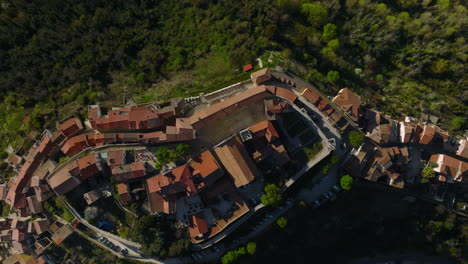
column 272, row 195
column 404, row 56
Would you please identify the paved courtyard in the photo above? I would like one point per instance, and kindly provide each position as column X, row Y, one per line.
column 220, row 129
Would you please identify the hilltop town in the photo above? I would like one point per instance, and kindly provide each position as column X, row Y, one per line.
column 205, row 165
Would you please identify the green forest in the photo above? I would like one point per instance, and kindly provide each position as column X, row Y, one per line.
column 405, row 56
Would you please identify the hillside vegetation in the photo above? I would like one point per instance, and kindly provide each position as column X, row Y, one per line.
column 404, row 56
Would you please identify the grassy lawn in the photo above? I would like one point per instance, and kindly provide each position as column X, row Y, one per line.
column 312, row 149
column 209, row 74
column 307, row 153
column 67, row 215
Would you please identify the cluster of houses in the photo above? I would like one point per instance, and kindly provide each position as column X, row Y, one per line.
column 202, row 193
column 386, row 157
column 27, row 235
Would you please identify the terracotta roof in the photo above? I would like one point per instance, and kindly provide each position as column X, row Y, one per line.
column 349, row 101
column 64, row 181
column 78, row 143
column 427, row 134
column 181, row 173
column 247, row 67
column 161, row 204
column 71, row 126
column 463, row 149
column 174, row 133
column 205, row 165
column 115, row 158
column 286, row 94
column 264, row 129
column 22, row 179
column 323, row 104
column 122, row 190
column 261, row 76
column 311, row 96
column 130, row 118
column 89, row 166
column 237, row 161
column 198, row 225
column 450, row 167
column 277, row 106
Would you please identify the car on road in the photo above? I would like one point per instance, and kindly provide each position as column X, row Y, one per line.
column 336, row 188
column 316, row 203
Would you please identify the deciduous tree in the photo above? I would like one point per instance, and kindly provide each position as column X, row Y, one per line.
column 346, row 182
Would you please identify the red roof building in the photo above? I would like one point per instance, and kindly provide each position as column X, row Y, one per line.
column 261, row 76
column 115, row 158
column 283, row 93
column 427, row 134
column 78, row 143
column 247, row 67
column 206, row 168
column 450, row 168
column 198, row 226
column 122, row 190
column 66, row 179
column 89, row 166
column 71, row 127
column 264, row 129
column 130, row 118
column 237, row 161
column 311, row 96
column 350, row 102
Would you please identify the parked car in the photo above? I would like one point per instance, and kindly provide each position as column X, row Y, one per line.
column 336, row 188
column 326, row 196
column 332, row 195
column 316, row 203
column 124, row 251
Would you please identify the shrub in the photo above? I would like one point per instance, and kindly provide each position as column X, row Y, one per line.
column 282, row 222
column 346, row 182
column 325, row 169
